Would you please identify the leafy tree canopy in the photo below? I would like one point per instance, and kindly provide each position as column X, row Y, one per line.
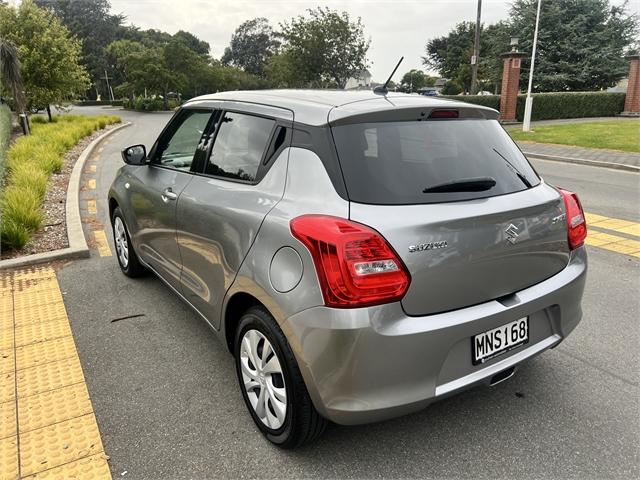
column 49, row 55
column 581, row 45
column 252, row 44
column 325, row 48
column 415, row 79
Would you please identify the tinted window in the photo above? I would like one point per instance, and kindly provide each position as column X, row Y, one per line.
column 178, row 146
column 394, row 163
column 239, row 146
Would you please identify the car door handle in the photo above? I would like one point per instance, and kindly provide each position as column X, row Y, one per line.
column 168, row 194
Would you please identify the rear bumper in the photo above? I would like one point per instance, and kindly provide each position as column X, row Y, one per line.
column 370, row 364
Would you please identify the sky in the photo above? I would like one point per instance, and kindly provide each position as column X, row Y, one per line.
column 396, row 27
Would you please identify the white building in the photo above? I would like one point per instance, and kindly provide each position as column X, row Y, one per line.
column 359, row 81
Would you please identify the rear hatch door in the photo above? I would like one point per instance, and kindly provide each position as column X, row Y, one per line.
column 458, row 202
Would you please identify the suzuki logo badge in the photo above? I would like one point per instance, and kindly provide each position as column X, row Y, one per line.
column 512, row 233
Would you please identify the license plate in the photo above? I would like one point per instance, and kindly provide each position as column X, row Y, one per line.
column 500, row 340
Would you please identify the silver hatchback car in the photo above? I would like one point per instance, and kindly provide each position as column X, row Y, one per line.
column 361, row 255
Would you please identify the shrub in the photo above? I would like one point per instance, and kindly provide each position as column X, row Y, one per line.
column 549, row 106
column 5, row 136
column 30, row 162
column 94, row 103
column 149, row 104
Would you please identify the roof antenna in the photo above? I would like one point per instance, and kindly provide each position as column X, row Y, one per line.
column 382, row 89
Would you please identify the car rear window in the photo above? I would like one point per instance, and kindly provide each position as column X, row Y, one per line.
column 401, row 162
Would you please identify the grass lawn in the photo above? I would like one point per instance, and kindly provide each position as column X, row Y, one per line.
column 611, row 134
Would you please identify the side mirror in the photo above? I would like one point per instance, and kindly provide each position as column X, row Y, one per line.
column 135, row 155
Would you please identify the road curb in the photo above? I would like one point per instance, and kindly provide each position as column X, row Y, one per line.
column 78, row 247
column 582, row 161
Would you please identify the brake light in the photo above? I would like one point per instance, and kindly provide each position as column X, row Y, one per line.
column 444, row 114
column 576, row 223
column 355, row 264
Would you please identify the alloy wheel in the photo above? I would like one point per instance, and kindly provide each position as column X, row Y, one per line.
column 122, row 246
column 263, row 379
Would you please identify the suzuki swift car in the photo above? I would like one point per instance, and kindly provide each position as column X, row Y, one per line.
column 361, row 255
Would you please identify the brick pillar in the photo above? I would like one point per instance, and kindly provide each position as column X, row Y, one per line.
column 510, row 85
column 632, row 100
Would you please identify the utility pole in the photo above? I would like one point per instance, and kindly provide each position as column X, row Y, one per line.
column 528, row 104
column 109, row 91
column 476, row 53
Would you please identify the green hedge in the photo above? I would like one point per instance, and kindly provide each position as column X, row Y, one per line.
column 148, row 104
column 549, row 106
column 94, row 103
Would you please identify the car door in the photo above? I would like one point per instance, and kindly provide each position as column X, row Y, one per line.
column 221, row 209
column 153, row 197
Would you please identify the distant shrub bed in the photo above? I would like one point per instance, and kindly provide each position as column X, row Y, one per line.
column 148, row 104
column 94, row 103
column 549, row 106
column 30, row 162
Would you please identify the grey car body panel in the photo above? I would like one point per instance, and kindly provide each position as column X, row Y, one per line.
column 478, row 262
column 154, row 231
column 366, row 364
column 370, row 364
column 217, row 223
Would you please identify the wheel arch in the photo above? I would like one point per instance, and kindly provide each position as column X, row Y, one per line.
column 236, row 306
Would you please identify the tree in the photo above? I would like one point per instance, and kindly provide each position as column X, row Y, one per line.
column 415, row 79
column 10, row 73
column 93, row 24
column 192, row 42
column 324, row 49
column 581, row 43
column 581, row 46
column 252, row 44
column 49, row 55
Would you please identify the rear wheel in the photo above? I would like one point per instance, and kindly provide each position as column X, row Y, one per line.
column 126, row 255
column 271, row 383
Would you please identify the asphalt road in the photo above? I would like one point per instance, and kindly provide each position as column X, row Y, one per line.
column 165, row 394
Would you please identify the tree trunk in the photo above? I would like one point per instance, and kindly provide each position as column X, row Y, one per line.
column 49, row 113
column 165, row 99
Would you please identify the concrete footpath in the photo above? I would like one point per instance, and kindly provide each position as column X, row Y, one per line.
column 586, row 156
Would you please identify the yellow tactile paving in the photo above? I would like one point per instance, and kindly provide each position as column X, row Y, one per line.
column 7, row 361
column 6, row 310
column 91, row 207
column 9, row 458
column 44, row 352
column 55, row 406
column 44, row 313
column 94, row 467
column 102, row 243
column 91, row 183
column 7, row 387
column 6, row 338
column 7, row 419
column 59, row 444
column 91, row 169
column 609, row 241
column 47, row 429
column 49, row 376
column 42, row 332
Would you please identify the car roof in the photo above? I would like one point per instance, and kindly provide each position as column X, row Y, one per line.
column 319, row 107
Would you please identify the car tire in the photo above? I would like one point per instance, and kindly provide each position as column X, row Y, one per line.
column 126, row 255
column 301, row 423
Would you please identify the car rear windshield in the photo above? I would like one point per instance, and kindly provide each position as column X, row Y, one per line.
column 432, row 161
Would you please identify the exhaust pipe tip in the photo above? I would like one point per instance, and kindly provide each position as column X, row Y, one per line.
column 502, row 376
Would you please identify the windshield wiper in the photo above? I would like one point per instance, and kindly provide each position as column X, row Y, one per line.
column 518, row 173
column 477, row 184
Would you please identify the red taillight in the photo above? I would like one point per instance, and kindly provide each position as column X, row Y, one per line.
column 355, row 264
column 576, row 223
column 444, row 114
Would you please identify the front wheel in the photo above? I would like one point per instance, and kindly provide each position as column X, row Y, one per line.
column 271, row 383
column 126, row 255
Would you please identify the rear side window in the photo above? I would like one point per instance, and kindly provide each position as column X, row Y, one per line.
column 417, row 162
column 239, row 146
